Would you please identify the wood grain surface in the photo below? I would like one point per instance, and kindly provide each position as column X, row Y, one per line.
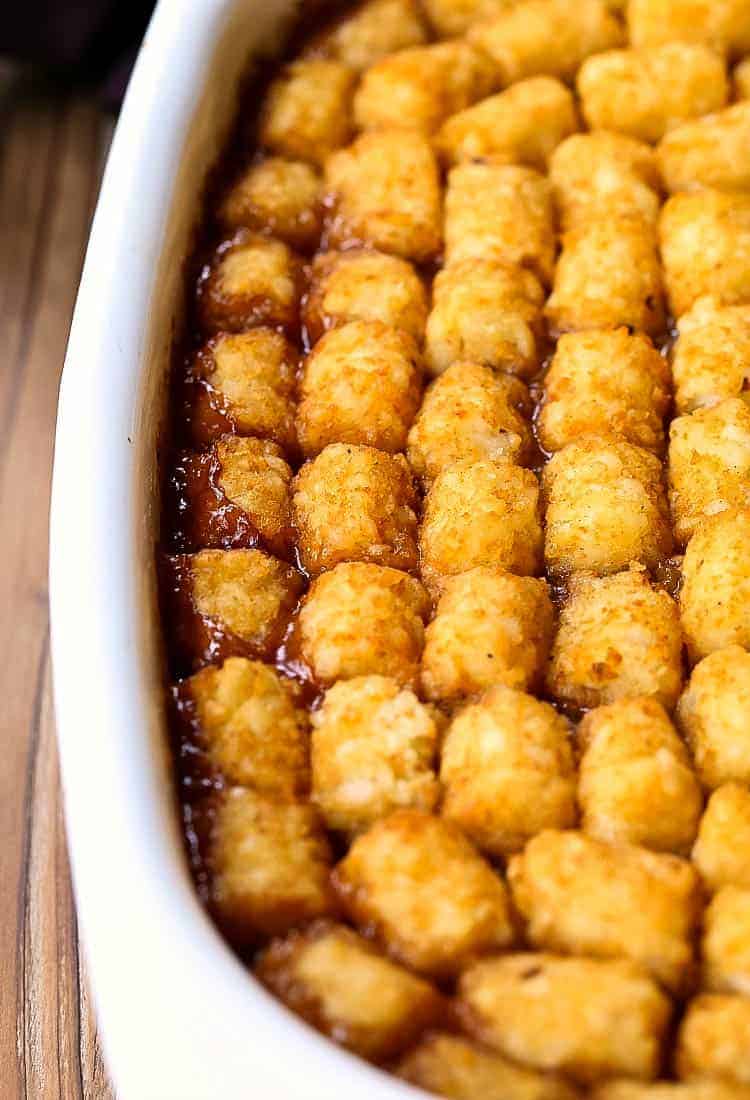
column 52, row 147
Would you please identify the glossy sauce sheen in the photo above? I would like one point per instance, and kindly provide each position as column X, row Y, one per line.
column 198, row 515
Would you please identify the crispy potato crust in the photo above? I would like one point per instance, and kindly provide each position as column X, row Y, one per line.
column 637, row 784
column 249, row 727
column 646, row 93
column 374, row 747
column 711, row 359
column 385, row 191
column 588, row 1018
column 417, row 89
column 487, row 311
column 608, row 274
column 355, row 503
column 715, row 596
column 709, row 464
column 344, row 988
column 500, row 212
column 359, row 619
column 244, row 383
column 714, row 1038
column 364, row 285
column 360, row 384
column 606, row 507
column 546, row 36
column 584, row 396
column 618, row 636
column 521, row 125
column 705, row 248
column 583, row 896
column 490, row 627
column 714, row 714
column 481, row 513
column 255, row 281
column 722, row 850
column 722, row 24
column 507, row 771
column 307, row 111
column 470, row 413
column 454, row 1067
column 269, row 864
column 417, row 884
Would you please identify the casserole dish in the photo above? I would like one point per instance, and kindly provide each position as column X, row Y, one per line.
column 178, row 1015
column 428, row 625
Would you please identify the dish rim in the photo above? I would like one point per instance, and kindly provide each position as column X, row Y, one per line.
column 164, row 983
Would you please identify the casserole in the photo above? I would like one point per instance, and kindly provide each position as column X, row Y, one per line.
column 523, row 594
column 178, row 1014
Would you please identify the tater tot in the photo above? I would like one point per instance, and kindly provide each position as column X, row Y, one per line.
column 481, row 513
column 364, row 285
column 611, row 382
column 359, row 619
column 583, row 896
column 385, row 191
column 373, row 751
column 711, row 152
column 705, row 248
column 507, row 771
column 470, row 413
column 277, row 196
column 255, row 281
column 230, row 603
column 601, row 175
column 307, row 111
column 709, row 464
column 722, row 24
column 451, row 1066
column 521, row 125
column 725, row 945
column 549, row 37
column 337, row 982
column 711, row 359
column 647, row 92
column 361, row 384
column 617, row 637
column 490, row 627
column 418, row 884
column 606, row 507
column 268, row 862
column 371, row 31
column 418, row 89
column 714, row 715
column 450, row 17
column 243, row 383
column 236, row 494
column 243, row 719
column 608, row 274
column 722, row 850
column 487, row 311
column 636, row 784
column 500, row 212
column 714, row 1038
column 589, row 1018
column 715, row 596
column 355, row 503
column 741, row 79
column 670, row 1090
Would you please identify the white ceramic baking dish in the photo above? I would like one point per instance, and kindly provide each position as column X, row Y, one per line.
column 179, row 1016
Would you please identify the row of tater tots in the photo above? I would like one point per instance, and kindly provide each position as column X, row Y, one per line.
column 386, row 544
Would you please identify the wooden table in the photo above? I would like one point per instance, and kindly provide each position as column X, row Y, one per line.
column 52, row 147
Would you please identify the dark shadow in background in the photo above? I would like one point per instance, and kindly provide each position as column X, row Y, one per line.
column 87, row 45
